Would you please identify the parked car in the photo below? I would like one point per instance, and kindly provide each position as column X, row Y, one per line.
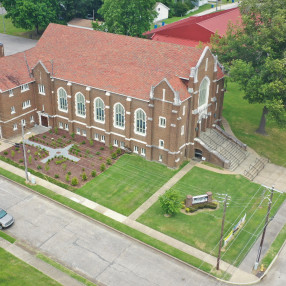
column 5, row 219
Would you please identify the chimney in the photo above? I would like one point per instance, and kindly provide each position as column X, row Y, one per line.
column 1, row 50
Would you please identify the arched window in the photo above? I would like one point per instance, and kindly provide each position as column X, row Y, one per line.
column 119, row 115
column 140, row 122
column 99, row 110
column 80, row 104
column 62, row 100
column 204, row 92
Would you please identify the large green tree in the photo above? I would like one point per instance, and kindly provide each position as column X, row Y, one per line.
column 127, row 17
column 254, row 52
column 29, row 14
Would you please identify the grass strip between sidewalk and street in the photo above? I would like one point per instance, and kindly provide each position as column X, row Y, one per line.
column 274, row 248
column 7, row 237
column 169, row 250
column 65, row 270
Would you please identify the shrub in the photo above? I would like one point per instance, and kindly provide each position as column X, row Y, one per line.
column 91, row 142
column 72, row 135
column 5, row 153
column 97, row 153
column 12, row 153
column 21, row 161
column 101, row 148
column 83, row 142
column 67, row 178
column 56, row 130
column 183, row 206
column 84, row 176
column 74, row 181
column 108, row 161
column 57, row 176
column 30, row 158
column 50, row 131
column 102, row 167
column 64, row 166
column 110, row 147
column 192, row 210
column 187, row 210
column 17, row 149
column 47, row 167
column 118, row 151
column 93, row 173
column 113, row 156
column 44, row 137
column 170, row 202
column 69, row 173
column 39, row 167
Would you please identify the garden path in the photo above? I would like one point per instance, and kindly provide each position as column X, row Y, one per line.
column 54, row 152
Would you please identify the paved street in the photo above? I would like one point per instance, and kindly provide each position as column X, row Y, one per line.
column 89, row 248
column 13, row 45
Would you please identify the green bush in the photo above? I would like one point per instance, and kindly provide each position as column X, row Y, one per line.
column 47, row 167
column 84, row 176
column 83, row 142
column 101, row 148
column 57, row 176
column 187, row 210
column 56, row 130
column 108, row 161
column 102, row 167
column 97, row 153
column 170, row 202
column 39, row 167
column 67, row 178
column 118, row 151
column 64, row 166
column 74, row 181
column 5, row 153
column 113, row 156
column 21, row 161
column 69, row 173
column 110, row 147
column 73, row 135
column 12, row 153
column 91, row 143
column 93, row 173
column 30, row 158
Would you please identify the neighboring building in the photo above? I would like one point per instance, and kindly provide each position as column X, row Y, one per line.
column 163, row 12
column 200, row 2
column 151, row 97
column 195, row 30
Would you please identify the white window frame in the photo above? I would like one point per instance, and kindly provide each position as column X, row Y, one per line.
column 80, row 102
column 135, row 149
column 11, row 93
column 122, row 144
column 162, row 121
column 137, row 130
column 13, row 109
column 41, row 89
column 102, row 138
column 62, row 100
column 217, row 87
column 61, row 125
column 160, row 158
column 119, row 116
column 99, row 110
column 83, row 132
column 182, row 130
column 161, row 144
column 24, row 87
column 96, row 136
column 207, row 62
column 23, row 122
column 66, row 126
column 26, row 104
column 143, row 152
column 115, row 142
column 184, row 110
column 78, row 130
column 32, row 119
column 15, row 126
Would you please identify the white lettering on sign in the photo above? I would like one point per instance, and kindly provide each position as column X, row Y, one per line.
column 200, row 199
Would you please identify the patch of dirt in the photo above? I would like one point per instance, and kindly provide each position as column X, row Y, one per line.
column 92, row 155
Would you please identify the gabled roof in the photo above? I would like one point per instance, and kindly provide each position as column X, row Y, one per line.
column 159, row 3
column 196, row 29
column 115, row 63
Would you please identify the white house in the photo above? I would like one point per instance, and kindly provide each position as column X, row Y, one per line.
column 162, row 10
column 200, row 2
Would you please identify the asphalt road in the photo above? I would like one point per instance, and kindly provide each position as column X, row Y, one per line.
column 97, row 252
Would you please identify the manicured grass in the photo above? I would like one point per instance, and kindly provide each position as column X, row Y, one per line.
column 127, row 184
column 244, row 119
column 15, row 272
column 121, row 227
column 65, row 270
column 274, row 248
column 202, row 230
column 201, row 9
column 7, row 237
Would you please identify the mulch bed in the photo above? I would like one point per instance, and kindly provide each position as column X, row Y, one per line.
column 92, row 155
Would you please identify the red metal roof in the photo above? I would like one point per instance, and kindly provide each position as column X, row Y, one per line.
column 111, row 62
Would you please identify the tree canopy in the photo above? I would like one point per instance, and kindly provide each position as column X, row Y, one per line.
column 255, row 54
column 127, row 17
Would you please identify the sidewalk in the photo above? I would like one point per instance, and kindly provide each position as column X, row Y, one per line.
column 219, row 8
column 39, row 264
column 237, row 273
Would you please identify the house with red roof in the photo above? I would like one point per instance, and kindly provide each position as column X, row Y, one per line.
column 151, row 97
column 197, row 29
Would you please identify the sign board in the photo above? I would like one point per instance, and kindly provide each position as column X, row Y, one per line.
column 200, row 199
column 226, row 240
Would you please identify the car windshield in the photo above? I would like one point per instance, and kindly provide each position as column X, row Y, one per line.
column 2, row 213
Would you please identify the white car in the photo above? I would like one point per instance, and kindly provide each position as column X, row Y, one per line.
column 5, row 219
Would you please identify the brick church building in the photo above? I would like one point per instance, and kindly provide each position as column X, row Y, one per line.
column 152, row 97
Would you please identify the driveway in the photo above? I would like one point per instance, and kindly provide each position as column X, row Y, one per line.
column 97, row 252
column 13, row 45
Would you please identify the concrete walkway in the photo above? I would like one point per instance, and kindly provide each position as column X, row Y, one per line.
column 39, row 264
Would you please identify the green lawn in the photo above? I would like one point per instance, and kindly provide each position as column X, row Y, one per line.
column 244, row 119
column 15, row 272
column 127, row 184
column 245, row 198
column 7, row 237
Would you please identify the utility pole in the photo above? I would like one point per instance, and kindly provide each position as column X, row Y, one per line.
column 25, row 159
column 216, row 5
column 221, row 232
column 264, row 230
column 2, row 12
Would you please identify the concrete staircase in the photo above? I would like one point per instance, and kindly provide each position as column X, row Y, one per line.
column 227, row 147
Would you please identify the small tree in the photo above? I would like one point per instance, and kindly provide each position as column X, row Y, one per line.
column 84, row 176
column 74, row 181
column 93, row 173
column 30, row 159
column 47, row 167
column 67, row 177
column 170, row 202
column 102, row 167
column 12, row 153
column 108, row 161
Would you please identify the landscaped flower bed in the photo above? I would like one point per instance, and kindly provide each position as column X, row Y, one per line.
column 94, row 157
